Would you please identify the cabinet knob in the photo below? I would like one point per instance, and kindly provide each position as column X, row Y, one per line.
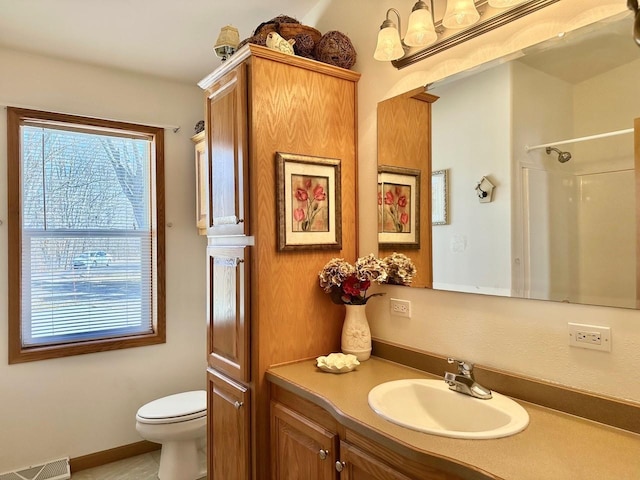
column 323, row 454
column 340, row 465
column 239, row 220
column 238, row 405
column 239, row 261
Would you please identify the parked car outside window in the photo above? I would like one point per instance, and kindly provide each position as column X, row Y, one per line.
column 92, row 259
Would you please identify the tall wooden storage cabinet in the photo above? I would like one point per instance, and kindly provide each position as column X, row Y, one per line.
column 265, row 306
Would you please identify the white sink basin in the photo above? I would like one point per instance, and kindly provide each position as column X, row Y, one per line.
column 429, row 406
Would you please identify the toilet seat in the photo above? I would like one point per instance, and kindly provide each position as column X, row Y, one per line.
column 180, row 407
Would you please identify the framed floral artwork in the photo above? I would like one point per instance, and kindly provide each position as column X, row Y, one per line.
column 309, row 202
column 398, row 207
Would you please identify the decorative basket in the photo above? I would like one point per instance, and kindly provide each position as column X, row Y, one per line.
column 273, row 25
column 291, row 30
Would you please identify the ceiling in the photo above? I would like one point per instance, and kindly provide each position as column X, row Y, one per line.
column 587, row 52
column 168, row 38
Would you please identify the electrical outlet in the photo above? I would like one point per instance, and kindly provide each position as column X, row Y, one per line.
column 590, row 336
column 400, row 308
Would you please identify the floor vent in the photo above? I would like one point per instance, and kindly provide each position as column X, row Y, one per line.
column 54, row 470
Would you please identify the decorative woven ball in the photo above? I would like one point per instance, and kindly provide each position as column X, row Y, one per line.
column 335, row 48
column 304, row 45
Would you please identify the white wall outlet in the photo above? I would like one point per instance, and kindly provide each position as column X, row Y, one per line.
column 590, row 336
column 400, row 308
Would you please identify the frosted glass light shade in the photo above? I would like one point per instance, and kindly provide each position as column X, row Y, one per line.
column 389, row 46
column 421, row 31
column 504, row 3
column 460, row 14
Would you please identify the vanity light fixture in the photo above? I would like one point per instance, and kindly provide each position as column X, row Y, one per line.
column 463, row 20
column 227, row 42
column 421, row 32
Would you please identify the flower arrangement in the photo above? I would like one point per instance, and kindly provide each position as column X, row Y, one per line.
column 348, row 284
column 400, row 269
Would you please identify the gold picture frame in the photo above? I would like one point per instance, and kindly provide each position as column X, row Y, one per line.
column 309, row 202
column 398, row 207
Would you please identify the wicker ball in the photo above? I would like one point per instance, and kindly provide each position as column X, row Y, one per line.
column 335, row 48
column 304, row 45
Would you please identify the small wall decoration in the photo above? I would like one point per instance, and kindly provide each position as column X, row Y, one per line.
column 309, row 202
column 440, row 197
column 398, row 207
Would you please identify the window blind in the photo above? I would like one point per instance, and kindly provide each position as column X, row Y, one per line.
column 87, row 234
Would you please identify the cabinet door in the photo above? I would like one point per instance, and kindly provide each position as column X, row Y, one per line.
column 358, row 465
column 228, row 424
column 201, row 182
column 228, row 310
column 300, row 448
column 228, row 154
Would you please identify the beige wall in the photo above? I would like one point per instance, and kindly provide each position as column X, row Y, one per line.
column 523, row 336
column 472, row 253
column 79, row 405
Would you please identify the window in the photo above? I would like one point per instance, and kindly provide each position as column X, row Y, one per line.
column 86, row 237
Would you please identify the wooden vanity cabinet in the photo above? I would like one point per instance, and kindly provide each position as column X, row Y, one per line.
column 300, row 447
column 226, row 127
column 302, row 434
column 264, row 305
column 228, row 427
column 359, row 465
column 228, row 329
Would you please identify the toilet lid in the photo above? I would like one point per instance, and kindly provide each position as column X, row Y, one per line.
column 174, row 408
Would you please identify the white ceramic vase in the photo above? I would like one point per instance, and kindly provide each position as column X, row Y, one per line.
column 356, row 336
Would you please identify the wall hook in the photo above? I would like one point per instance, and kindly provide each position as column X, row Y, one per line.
column 484, row 190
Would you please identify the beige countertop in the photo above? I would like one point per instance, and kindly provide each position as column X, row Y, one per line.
column 555, row 446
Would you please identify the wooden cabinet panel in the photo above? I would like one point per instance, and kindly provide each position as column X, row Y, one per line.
column 228, row 154
column 300, row 448
column 201, row 182
column 358, row 465
column 228, row 428
column 228, row 310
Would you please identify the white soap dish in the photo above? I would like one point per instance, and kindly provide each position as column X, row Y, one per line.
column 337, row 362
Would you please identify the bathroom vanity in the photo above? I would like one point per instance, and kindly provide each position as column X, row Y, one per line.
column 320, row 421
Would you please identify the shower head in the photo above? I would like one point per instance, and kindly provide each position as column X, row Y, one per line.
column 563, row 157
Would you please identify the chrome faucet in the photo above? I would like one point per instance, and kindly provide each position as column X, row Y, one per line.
column 464, row 382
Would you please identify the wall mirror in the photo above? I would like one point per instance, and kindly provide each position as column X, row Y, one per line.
column 552, row 127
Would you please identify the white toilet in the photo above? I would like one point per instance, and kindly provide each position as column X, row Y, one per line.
column 179, row 423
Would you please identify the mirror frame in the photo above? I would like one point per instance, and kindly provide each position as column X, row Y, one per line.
column 479, row 28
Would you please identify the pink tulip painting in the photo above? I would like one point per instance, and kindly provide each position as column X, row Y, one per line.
column 309, row 203
column 394, row 200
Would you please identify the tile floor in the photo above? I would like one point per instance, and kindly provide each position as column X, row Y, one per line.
column 142, row 467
